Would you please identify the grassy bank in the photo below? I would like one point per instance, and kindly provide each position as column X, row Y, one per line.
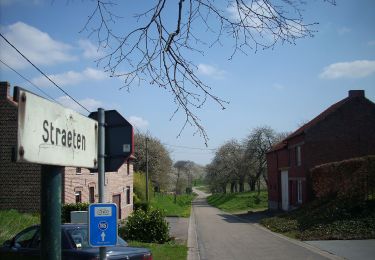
column 166, row 203
column 167, row 251
column 239, row 202
column 325, row 220
column 12, row 222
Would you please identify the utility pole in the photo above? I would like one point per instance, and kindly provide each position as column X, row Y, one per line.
column 147, row 168
column 101, row 164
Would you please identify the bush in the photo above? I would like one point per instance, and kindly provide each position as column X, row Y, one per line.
column 139, row 186
column 143, row 205
column 67, row 208
column 149, row 227
column 351, row 179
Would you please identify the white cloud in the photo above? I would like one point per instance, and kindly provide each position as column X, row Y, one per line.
column 344, row 30
column 258, row 17
column 353, row 69
column 36, row 45
column 70, row 77
column 89, row 103
column 138, row 122
column 211, row 71
column 90, row 51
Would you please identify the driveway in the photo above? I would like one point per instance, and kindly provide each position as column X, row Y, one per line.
column 216, row 235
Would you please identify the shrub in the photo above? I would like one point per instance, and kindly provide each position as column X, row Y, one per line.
column 351, row 179
column 143, row 205
column 149, row 227
column 67, row 208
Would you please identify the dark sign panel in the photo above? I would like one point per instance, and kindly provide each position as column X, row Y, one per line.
column 119, row 139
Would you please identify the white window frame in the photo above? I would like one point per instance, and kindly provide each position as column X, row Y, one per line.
column 298, row 156
column 299, row 191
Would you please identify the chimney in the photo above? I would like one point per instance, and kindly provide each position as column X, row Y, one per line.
column 356, row 93
column 4, row 89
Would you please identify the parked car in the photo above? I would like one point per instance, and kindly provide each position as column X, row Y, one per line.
column 74, row 245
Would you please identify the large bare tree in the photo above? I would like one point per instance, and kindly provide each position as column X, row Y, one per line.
column 157, row 49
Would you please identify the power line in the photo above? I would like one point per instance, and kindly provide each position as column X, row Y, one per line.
column 42, row 72
column 19, row 74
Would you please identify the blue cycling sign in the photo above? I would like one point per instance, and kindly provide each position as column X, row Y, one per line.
column 103, row 224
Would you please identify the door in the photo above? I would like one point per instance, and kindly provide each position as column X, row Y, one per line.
column 117, row 200
column 284, row 190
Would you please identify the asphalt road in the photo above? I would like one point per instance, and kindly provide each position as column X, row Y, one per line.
column 224, row 236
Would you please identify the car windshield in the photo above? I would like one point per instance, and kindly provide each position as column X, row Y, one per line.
column 79, row 236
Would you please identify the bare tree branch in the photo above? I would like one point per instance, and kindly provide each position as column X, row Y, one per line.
column 157, row 53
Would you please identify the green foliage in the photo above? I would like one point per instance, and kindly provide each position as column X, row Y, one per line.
column 12, row 222
column 327, row 219
column 167, row 251
column 67, row 208
column 149, row 227
column 242, row 201
column 143, row 205
column 139, row 187
column 165, row 202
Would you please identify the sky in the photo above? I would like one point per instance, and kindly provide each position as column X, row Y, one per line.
column 282, row 87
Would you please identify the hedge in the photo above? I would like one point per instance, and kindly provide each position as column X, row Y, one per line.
column 348, row 179
column 67, row 208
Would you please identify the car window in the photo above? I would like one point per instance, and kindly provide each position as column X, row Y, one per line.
column 36, row 241
column 25, row 238
column 80, row 238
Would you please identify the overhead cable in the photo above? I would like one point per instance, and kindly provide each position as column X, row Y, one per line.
column 43, row 72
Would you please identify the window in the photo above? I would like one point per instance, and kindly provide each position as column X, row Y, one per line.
column 298, row 155
column 299, row 191
column 78, row 170
column 25, row 238
column 78, row 195
column 127, row 194
column 92, row 195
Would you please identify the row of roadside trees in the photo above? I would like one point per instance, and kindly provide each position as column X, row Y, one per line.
column 237, row 163
column 165, row 175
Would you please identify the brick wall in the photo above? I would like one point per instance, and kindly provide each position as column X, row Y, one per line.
column 19, row 182
column 116, row 183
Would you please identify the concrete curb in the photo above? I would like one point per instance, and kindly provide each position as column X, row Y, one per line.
column 193, row 249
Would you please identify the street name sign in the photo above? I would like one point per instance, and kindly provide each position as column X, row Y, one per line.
column 119, row 139
column 102, row 224
column 51, row 134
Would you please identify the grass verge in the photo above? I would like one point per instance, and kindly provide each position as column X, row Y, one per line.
column 12, row 222
column 326, row 220
column 165, row 202
column 167, row 251
column 239, row 202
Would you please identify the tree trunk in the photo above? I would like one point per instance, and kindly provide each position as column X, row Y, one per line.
column 251, row 183
column 242, row 186
column 258, row 185
column 232, row 187
column 224, row 187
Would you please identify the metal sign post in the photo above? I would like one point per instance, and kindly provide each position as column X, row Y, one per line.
column 50, row 226
column 101, row 164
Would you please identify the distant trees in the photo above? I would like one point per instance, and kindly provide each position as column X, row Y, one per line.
column 159, row 160
column 236, row 162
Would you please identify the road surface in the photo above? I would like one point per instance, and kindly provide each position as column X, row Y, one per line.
column 219, row 235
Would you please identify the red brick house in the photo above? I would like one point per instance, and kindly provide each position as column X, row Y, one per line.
column 20, row 182
column 344, row 130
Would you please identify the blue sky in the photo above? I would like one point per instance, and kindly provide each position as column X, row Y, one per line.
column 282, row 88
